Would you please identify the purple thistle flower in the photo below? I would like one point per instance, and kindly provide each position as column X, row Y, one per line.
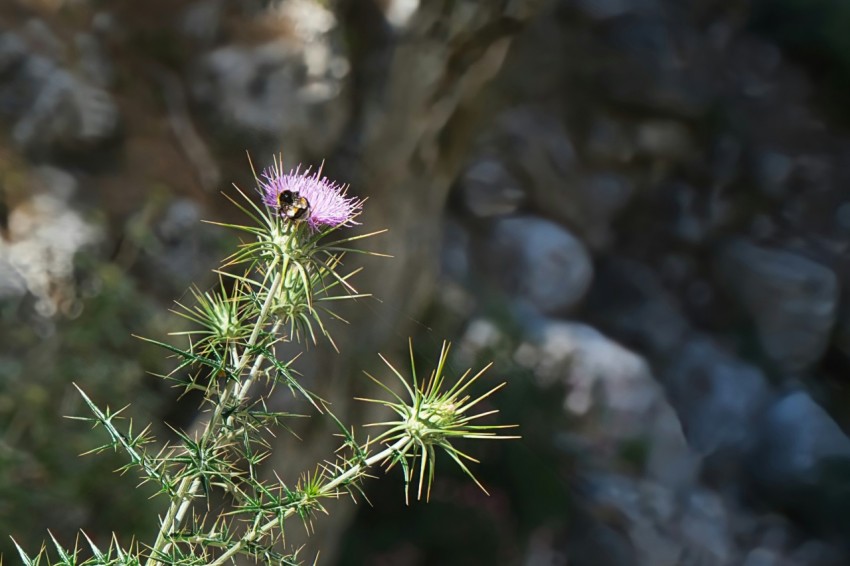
column 327, row 203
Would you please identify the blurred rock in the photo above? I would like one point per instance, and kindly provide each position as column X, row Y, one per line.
column 43, row 237
column 726, row 157
column 540, row 150
column 12, row 52
column 182, row 247
column 42, row 40
column 603, row 196
column 772, row 170
column 598, row 371
column 704, row 526
column 256, row 88
column 454, row 253
column 764, row 557
column 594, row 543
column 489, row 189
column 540, row 262
column 51, row 108
column 613, row 397
column 608, row 142
column 690, row 224
column 842, row 330
column 643, row 39
column 287, row 88
column 795, row 438
column 94, row 63
column 842, row 216
column 665, row 139
column 816, row 553
column 665, row 527
column 606, row 9
column 629, row 302
column 718, row 397
column 202, row 20
column 792, row 300
column 537, row 141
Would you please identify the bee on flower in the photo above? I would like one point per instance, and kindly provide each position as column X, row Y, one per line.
column 308, row 197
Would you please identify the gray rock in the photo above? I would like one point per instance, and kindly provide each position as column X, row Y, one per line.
column 201, row 20
column 666, row 527
column 94, row 62
column 39, row 35
column 792, row 300
column 603, row 197
column 842, row 330
column 289, row 89
column 764, row 557
column 704, row 527
column 609, row 143
column 816, row 553
column 611, row 395
column 184, row 244
column 717, row 396
column 489, row 189
column 726, row 159
column 12, row 52
column 629, row 302
column 49, row 116
column 454, row 253
column 538, row 141
column 539, row 262
column 690, row 226
column 665, row 139
column 605, row 9
column 772, row 170
column 794, row 438
column 12, row 282
column 43, row 236
column 540, row 150
column 50, row 106
column 842, row 216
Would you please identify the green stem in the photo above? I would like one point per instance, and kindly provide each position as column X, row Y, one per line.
column 255, row 533
column 190, row 484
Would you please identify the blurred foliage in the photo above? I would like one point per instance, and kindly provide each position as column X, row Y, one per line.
column 41, row 470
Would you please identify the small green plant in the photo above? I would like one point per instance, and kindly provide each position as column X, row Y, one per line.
column 279, row 286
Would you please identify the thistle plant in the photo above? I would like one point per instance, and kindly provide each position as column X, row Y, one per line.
column 278, row 287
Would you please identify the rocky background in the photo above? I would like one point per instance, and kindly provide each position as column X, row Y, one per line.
column 637, row 208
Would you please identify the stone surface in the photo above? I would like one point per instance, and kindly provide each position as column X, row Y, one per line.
column 613, row 397
column 539, row 262
column 628, row 301
column 43, row 236
column 717, row 396
column 51, row 107
column 609, row 142
column 792, row 300
column 795, row 437
column 763, row 557
column 283, row 88
column 664, row 140
column 540, row 151
column 489, row 189
column 665, row 527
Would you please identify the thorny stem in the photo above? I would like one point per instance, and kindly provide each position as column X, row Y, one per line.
column 190, row 484
column 328, row 488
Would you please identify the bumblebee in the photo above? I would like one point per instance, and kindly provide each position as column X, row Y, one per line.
column 292, row 205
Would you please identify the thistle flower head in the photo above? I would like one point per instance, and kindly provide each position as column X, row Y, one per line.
column 310, row 197
column 435, row 415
